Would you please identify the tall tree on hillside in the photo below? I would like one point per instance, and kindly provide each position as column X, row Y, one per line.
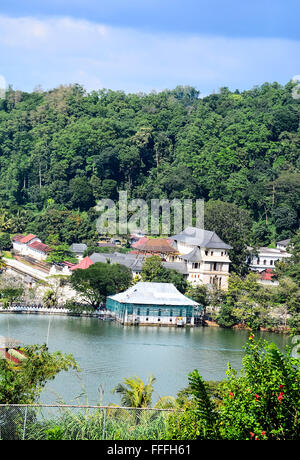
column 233, row 225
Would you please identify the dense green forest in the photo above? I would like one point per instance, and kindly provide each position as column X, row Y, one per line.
column 62, row 150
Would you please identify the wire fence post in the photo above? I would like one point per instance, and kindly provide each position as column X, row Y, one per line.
column 104, row 423
column 25, row 421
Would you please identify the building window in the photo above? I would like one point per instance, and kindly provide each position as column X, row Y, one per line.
column 222, row 253
column 211, row 253
column 257, row 261
column 215, row 267
column 159, row 313
column 271, row 262
column 158, row 320
column 206, row 253
column 147, row 319
column 265, row 262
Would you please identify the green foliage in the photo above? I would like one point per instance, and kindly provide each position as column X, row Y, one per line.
column 49, row 299
column 99, row 281
column 22, row 383
column 134, row 393
column 199, row 294
column 233, row 225
column 154, row 271
column 61, row 253
column 64, row 149
column 54, row 434
column 291, row 267
column 262, row 402
column 5, row 241
column 92, row 424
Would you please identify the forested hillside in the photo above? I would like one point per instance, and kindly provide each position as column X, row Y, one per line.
column 62, row 150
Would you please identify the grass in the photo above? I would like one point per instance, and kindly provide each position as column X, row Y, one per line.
column 95, row 424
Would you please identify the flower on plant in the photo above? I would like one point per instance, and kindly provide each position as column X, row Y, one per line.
column 263, row 433
column 230, row 394
column 257, row 397
column 251, row 337
column 280, row 396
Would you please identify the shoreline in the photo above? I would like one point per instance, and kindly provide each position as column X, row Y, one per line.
column 64, row 312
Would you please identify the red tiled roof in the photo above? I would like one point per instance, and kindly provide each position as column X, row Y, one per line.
column 141, row 241
column 18, row 237
column 40, row 247
column 267, row 274
column 27, row 239
column 83, row 265
column 68, row 264
column 161, row 245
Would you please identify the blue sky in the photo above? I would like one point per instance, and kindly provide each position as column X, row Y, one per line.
column 144, row 45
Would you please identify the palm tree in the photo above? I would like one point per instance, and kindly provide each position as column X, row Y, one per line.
column 135, row 393
column 5, row 220
column 138, row 395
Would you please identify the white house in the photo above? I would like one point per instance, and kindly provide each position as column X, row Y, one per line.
column 283, row 244
column 266, row 258
column 206, row 256
column 20, row 242
column 31, row 246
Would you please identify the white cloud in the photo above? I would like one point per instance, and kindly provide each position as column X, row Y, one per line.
column 65, row 50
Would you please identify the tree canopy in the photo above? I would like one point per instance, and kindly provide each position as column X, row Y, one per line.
column 64, row 149
column 99, row 281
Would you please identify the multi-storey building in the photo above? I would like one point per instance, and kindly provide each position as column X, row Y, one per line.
column 266, row 258
column 206, row 256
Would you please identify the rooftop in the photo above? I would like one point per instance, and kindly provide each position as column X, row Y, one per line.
column 193, row 256
column 161, row 245
column 83, row 265
column 40, row 247
column 78, row 248
column 24, row 239
column 284, row 242
column 154, row 293
column 200, row 237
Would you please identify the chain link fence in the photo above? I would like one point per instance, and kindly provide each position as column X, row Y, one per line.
column 68, row 422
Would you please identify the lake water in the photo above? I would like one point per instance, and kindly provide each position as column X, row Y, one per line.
column 107, row 352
